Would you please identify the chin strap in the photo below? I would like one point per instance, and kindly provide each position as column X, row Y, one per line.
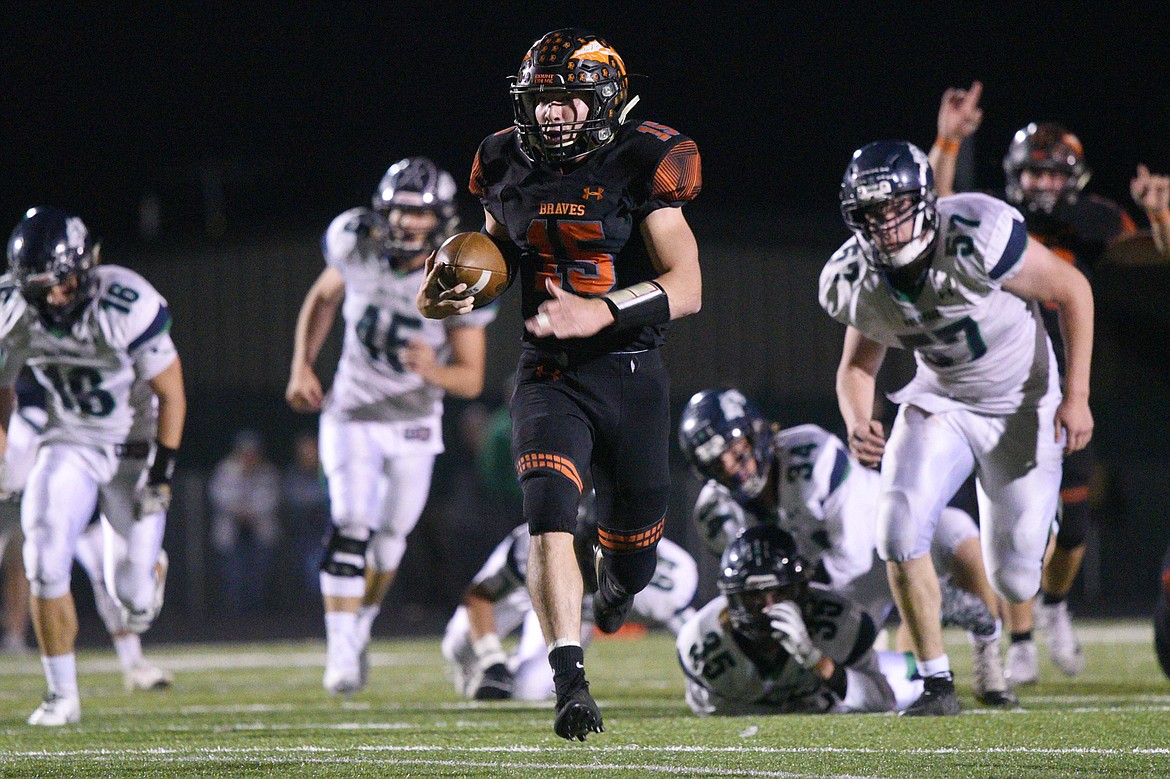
column 912, row 251
column 632, row 102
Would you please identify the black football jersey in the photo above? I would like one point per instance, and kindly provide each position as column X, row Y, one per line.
column 580, row 226
column 1077, row 231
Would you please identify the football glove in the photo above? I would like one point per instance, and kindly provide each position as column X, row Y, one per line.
column 789, row 629
column 156, row 495
column 153, row 499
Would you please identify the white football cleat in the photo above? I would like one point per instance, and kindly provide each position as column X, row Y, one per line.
column 343, row 666
column 991, row 687
column 342, row 681
column 145, row 675
column 1023, row 663
column 1063, row 646
column 57, row 710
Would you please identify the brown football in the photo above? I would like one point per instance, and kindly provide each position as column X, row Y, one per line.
column 474, row 260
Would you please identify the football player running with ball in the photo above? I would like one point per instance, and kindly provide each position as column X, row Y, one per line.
column 96, row 337
column 588, row 208
column 381, row 421
column 955, row 280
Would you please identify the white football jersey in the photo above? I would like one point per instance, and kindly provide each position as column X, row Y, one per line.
column 977, row 346
column 95, row 375
column 380, row 315
column 827, row 500
column 723, row 679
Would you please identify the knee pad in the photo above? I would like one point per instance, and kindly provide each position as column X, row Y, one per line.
column 897, row 529
column 48, row 573
column 134, row 586
column 631, row 555
column 1016, row 578
column 386, row 551
column 552, row 490
column 345, row 552
column 1074, row 521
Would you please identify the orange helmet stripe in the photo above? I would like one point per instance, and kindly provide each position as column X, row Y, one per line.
column 595, row 51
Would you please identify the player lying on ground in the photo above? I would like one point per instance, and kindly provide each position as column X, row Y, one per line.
column 774, row 643
column 804, row 480
column 497, row 604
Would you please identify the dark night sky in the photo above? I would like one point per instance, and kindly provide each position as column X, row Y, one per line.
column 303, row 105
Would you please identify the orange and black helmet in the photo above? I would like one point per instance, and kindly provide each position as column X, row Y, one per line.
column 1044, row 146
column 586, row 66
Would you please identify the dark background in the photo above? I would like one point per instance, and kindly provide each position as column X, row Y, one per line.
column 249, row 128
column 303, row 104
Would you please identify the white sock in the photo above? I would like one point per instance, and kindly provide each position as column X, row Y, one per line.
column 489, row 651
column 61, row 674
column 365, row 623
column 129, row 649
column 939, row 665
column 339, row 635
column 560, row 642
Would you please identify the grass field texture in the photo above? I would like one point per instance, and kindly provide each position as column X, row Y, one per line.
column 243, row 710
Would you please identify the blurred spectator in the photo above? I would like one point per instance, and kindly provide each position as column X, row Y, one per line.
column 304, row 499
column 13, row 584
column 244, row 492
column 494, row 459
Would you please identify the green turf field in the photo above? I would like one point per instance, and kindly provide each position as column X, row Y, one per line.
column 258, row 710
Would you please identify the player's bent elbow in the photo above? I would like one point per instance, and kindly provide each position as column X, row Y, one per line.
column 686, row 304
column 471, row 390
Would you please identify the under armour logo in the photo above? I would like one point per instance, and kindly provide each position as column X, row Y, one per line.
column 594, row 192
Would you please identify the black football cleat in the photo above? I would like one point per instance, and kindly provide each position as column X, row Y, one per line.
column 938, row 699
column 496, row 684
column 610, row 616
column 577, row 715
column 999, row 699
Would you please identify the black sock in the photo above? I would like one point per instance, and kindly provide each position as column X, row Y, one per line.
column 1023, row 635
column 1048, row 599
column 568, row 666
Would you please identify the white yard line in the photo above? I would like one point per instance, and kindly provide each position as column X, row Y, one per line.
column 227, row 661
column 561, row 750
